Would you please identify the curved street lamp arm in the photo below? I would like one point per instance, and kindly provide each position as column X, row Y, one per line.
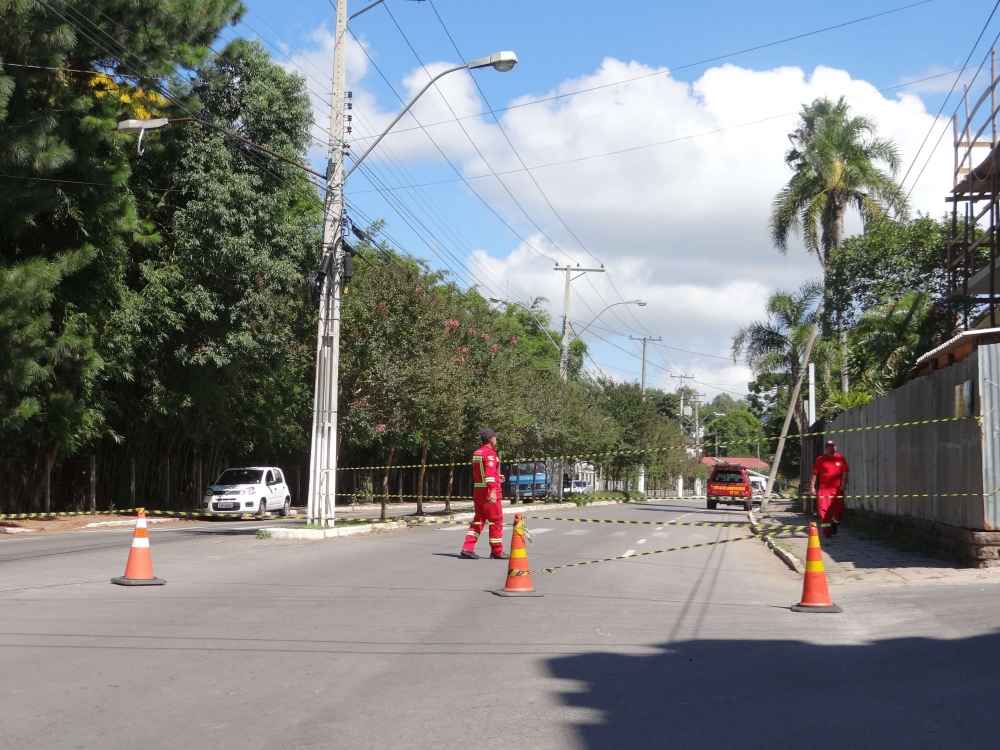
column 399, row 117
column 614, row 304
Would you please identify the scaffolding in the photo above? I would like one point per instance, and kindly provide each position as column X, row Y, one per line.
column 975, row 209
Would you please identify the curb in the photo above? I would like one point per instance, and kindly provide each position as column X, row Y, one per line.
column 785, row 556
column 281, row 532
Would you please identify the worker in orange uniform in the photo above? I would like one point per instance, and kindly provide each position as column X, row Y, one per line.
column 487, row 490
column 828, row 484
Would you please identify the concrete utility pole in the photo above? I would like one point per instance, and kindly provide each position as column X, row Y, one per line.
column 323, row 454
column 645, row 340
column 812, row 393
column 323, row 458
column 680, row 389
column 564, row 349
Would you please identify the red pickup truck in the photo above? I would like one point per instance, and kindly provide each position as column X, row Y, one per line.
column 729, row 483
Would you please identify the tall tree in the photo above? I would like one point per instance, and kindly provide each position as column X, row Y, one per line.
column 68, row 219
column 837, row 163
column 776, row 345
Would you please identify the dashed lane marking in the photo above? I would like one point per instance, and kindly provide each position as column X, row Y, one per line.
column 629, row 553
column 641, row 541
column 576, row 532
column 539, row 531
column 618, row 533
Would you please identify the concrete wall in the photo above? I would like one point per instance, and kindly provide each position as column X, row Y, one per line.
column 934, row 471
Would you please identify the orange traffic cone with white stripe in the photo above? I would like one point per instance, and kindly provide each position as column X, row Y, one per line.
column 815, row 592
column 518, row 571
column 139, row 568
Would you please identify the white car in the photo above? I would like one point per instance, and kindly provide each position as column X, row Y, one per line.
column 580, row 487
column 759, row 486
column 249, row 489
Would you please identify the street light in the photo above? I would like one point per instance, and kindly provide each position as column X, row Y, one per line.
column 141, row 126
column 500, row 61
column 636, row 302
column 323, row 447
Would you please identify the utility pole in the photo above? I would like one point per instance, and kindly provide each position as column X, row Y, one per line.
column 680, row 389
column 323, row 456
column 645, row 340
column 564, row 349
column 697, row 426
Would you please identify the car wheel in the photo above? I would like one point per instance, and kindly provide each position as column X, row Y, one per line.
column 262, row 512
column 284, row 508
column 713, row 504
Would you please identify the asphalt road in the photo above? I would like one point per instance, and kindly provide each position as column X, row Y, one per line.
column 391, row 641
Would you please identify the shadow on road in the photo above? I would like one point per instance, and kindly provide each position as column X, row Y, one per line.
column 898, row 693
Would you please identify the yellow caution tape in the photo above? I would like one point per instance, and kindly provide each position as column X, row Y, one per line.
column 554, row 568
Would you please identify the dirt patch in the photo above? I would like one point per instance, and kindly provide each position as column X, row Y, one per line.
column 71, row 523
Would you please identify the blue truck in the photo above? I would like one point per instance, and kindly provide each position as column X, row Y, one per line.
column 530, row 479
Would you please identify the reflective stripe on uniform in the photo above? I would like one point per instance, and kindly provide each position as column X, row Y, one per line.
column 477, row 462
column 472, row 533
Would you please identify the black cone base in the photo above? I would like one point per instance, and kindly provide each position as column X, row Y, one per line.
column 138, row 581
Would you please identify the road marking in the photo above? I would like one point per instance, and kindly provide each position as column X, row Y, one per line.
column 455, row 528
column 658, row 528
column 618, row 533
column 577, row 532
column 662, row 534
column 641, row 541
column 539, row 531
column 629, row 553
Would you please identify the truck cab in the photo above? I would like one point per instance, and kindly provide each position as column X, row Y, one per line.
column 529, row 479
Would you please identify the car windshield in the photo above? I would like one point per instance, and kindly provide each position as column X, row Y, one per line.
column 529, row 468
column 727, row 477
column 240, row 476
column 579, row 483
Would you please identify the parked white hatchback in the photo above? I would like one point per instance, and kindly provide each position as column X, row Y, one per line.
column 250, row 489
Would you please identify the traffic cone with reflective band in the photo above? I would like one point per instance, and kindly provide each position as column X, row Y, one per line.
column 139, row 568
column 815, row 592
column 518, row 570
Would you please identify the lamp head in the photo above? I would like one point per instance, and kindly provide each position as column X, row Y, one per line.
column 500, row 61
column 138, row 126
column 640, row 302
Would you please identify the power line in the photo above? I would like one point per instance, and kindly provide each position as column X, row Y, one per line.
column 670, row 70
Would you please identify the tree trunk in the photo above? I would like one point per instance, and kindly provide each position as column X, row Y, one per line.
column 385, row 480
column 845, row 384
column 447, row 494
column 420, row 479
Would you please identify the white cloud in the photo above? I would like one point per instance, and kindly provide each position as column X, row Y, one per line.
column 682, row 225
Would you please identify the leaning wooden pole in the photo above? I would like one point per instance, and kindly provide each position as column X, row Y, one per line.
column 791, row 409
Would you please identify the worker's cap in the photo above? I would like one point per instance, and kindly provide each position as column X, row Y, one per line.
column 830, row 442
column 487, row 435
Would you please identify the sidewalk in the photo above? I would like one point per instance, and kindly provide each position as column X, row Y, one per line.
column 852, row 556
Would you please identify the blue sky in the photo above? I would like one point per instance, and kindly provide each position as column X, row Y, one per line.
column 658, row 218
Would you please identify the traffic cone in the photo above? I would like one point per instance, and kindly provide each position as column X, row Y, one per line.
column 139, row 568
column 815, row 593
column 518, row 571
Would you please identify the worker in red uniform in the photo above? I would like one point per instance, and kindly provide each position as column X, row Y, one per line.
column 487, row 490
column 828, row 484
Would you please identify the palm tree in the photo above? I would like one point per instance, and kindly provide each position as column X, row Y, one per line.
column 835, row 159
column 776, row 345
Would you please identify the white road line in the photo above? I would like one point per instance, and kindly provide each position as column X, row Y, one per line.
column 577, row 532
column 629, row 553
column 539, row 531
column 658, row 528
column 641, row 541
column 618, row 533
column 455, row 528
column 662, row 534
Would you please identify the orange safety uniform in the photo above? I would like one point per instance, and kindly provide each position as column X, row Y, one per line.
column 486, row 478
column 829, row 490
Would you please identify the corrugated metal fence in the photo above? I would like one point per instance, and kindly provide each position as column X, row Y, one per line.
column 930, row 471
